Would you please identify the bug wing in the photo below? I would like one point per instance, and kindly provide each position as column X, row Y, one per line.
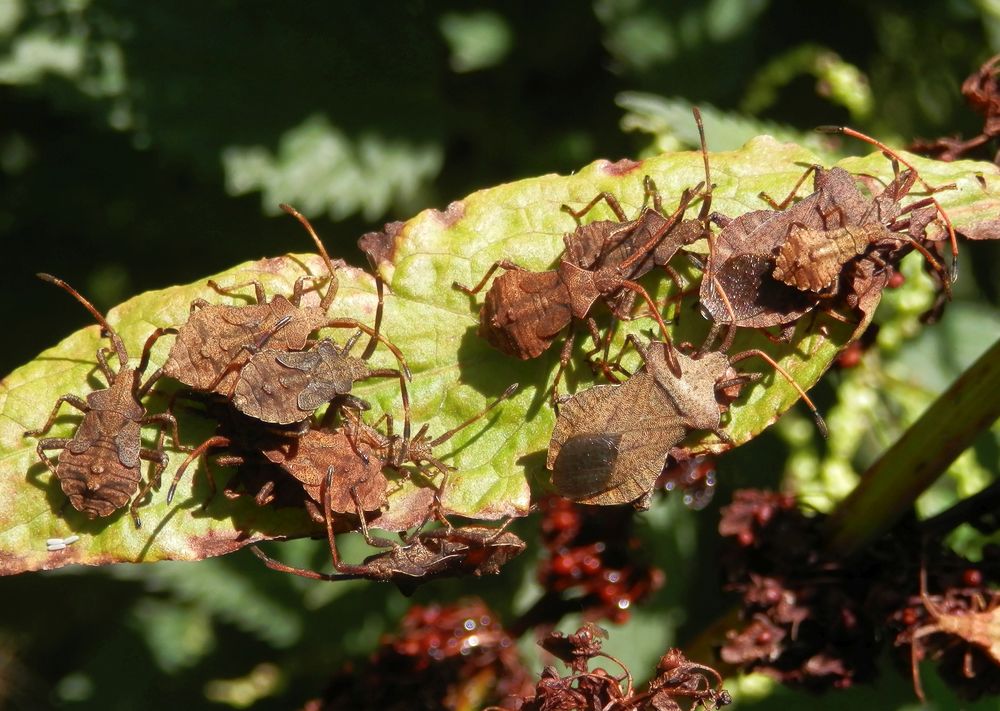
column 610, row 442
column 268, row 391
column 354, row 466
column 756, row 299
column 585, row 465
column 128, row 442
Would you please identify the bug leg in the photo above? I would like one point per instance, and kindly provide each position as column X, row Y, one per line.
column 379, row 308
column 791, row 196
column 144, row 360
column 164, row 420
column 564, row 357
column 678, row 283
column 260, row 296
column 501, row 264
column 216, row 441
column 331, row 291
column 102, row 363
column 265, row 494
column 78, row 402
column 440, row 439
column 274, row 564
column 50, row 443
column 671, row 357
column 373, row 541
column 608, row 198
column 601, row 343
column 350, row 342
column 314, row 511
column 353, row 323
column 331, row 538
column 159, row 459
column 299, row 287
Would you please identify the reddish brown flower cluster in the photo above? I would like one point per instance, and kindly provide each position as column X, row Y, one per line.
column 443, row 657
column 677, row 680
column 804, row 622
column 982, row 92
column 818, row 622
column 593, row 549
column 955, row 620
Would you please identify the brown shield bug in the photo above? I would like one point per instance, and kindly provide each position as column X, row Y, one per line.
column 738, row 289
column 355, row 451
column 98, row 467
column 611, row 442
column 358, row 482
column 897, row 158
column 425, row 556
column 243, row 438
column 284, row 387
column 764, row 263
column 217, row 340
column 813, row 259
column 606, row 242
column 396, row 451
column 524, row 311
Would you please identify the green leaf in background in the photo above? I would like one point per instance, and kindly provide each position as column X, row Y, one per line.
column 668, row 122
column 455, row 373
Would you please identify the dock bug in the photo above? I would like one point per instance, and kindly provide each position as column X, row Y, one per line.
column 611, row 442
column 98, row 468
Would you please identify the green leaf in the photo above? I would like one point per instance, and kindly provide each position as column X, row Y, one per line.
column 455, row 373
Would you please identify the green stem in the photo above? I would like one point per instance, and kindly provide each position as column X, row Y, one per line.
column 891, row 485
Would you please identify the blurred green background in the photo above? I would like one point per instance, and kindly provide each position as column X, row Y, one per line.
column 148, row 144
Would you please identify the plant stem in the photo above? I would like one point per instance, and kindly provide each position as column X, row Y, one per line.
column 891, row 485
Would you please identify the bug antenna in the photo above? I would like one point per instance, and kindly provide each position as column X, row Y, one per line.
column 216, row 441
column 380, row 290
column 844, row 130
column 312, row 233
column 820, row 422
column 706, row 205
column 448, row 435
column 116, row 340
column 657, row 236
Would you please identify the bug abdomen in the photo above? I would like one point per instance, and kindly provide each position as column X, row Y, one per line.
column 811, row 260
column 95, row 481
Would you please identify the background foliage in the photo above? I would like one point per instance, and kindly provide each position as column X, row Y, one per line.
column 142, row 143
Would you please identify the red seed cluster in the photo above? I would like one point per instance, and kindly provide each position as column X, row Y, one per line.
column 804, row 622
column 677, row 680
column 693, row 477
column 818, row 622
column 955, row 621
column 593, row 550
column 443, row 657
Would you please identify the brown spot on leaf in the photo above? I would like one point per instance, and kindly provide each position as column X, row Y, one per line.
column 381, row 246
column 498, row 510
column 212, row 545
column 11, row 564
column 988, row 229
column 621, row 167
column 452, row 214
column 271, row 265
